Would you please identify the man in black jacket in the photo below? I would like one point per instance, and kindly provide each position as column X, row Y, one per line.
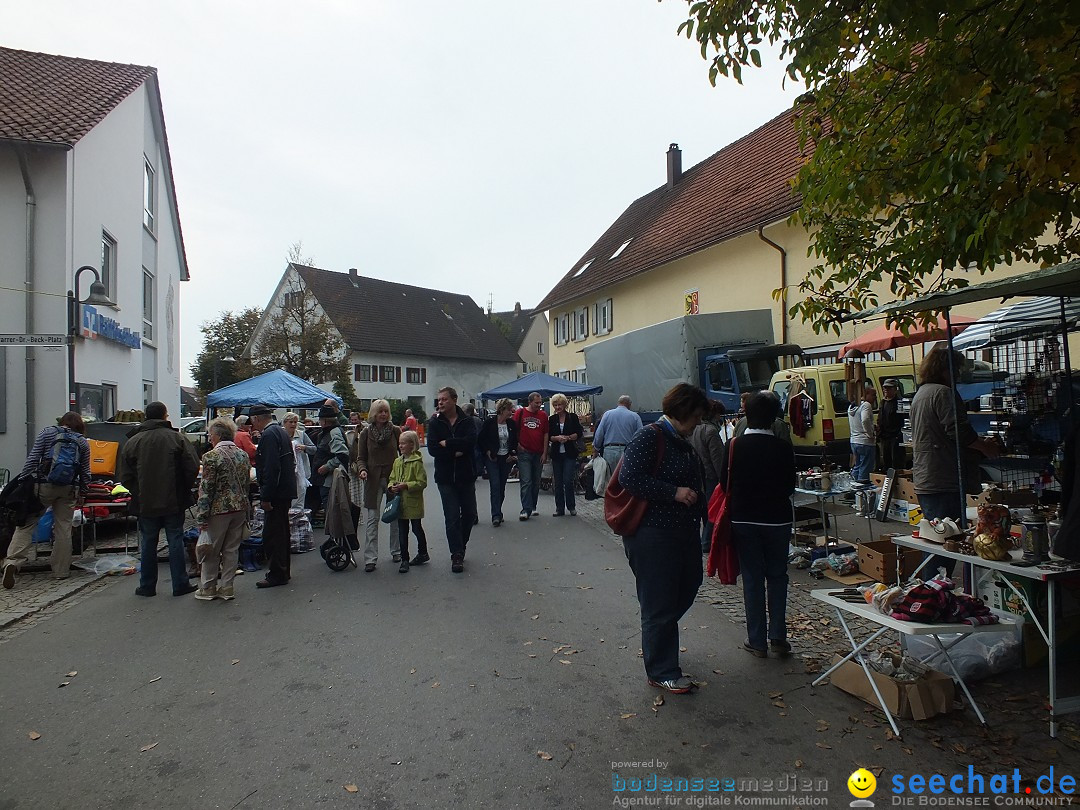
column 275, row 470
column 451, row 440
column 890, row 425
column 160, row 468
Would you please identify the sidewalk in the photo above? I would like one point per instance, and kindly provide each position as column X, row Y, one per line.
column 36, row 589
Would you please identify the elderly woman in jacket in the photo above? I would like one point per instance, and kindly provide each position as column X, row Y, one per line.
column 377, row 447
column 564, row 429
column 762, row 479
column 661, row 467
column 303, row 449
column 222, row 509
column 408, row 478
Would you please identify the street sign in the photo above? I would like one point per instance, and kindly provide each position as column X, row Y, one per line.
column 33, row 340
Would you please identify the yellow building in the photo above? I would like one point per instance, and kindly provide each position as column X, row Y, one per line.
column 713, row 238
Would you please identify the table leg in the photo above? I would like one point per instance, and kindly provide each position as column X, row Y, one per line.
column 1051, row 646
column 856, row 650
column 956, row 674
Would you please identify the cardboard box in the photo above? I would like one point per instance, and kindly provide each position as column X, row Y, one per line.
column 878, row 558
column 1068, row 643
column 905, row 512
column 1001, row 597
column 904, row 490
column 835, row 548
column 920, row 700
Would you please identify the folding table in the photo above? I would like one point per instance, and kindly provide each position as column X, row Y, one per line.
column 1050, row 572
column 871, row 614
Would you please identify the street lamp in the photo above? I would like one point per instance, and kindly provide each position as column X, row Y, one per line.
column 228, row 358
column 98, row 296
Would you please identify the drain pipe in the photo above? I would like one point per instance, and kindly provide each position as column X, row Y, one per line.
column 31, row 360
column 783, row 282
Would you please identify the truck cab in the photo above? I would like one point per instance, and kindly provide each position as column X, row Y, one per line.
column 729, row 374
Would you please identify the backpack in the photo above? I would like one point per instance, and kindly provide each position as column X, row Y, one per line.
column 61, row 466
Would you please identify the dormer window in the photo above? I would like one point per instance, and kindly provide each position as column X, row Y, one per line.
column 622, row 247
column 583, row 268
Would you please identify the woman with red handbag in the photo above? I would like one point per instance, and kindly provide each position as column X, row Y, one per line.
column 661, row 468
column 762, row 480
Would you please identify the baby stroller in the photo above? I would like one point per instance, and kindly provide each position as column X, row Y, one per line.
column 338, row 552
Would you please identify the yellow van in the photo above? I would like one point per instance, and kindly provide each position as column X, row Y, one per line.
column 827, row 434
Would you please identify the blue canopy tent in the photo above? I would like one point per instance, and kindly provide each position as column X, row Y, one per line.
column 544, row 384
column 277, row 388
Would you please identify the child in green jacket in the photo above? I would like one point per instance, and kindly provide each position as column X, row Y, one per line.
column 409, row 478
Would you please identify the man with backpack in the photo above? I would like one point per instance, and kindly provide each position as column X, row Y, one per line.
column 160, row 468
column 59, row 463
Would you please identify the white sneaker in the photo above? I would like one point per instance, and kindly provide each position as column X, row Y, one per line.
column 535, row 513
column 207, row 595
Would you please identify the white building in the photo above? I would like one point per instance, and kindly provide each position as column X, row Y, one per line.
column 403, row 342
column 527, row 333
column 85, row 180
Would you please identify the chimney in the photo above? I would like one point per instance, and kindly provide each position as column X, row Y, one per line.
column 353, row 277
column 674, row 165
column 517, row 307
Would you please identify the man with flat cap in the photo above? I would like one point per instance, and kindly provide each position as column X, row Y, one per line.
column 275, row 470
column 890, row 423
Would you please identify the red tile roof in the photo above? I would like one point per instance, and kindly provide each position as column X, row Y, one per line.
column 50, row 99
column 744, row 185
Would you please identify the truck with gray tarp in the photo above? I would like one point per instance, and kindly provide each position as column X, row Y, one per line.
column 725, row 353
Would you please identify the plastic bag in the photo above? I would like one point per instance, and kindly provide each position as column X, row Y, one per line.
column 108, row 564
column 601, row 473
column 203, row 547
column 976, row 656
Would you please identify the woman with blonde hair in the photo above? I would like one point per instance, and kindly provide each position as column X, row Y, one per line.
column 222, row 509
column 303, row 447
column 497, row 442
column 408, row 478
column 376, row 450
column 564, row 430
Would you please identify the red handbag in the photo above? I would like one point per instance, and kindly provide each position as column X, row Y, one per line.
column 623, row 511
column 723, row 561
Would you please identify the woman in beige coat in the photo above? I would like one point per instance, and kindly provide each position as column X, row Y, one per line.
column 376, row 449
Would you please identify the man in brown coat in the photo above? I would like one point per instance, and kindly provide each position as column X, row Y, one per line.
column 160, row 468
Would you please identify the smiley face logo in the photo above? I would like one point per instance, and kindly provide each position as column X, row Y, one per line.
column 862, row 783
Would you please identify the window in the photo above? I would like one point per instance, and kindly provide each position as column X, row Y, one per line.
column 622, row 247
column 108, row 401
column 390, row 374
column 562, row 329
column 602, row 317
column 147, row 305
column 294, row 299
column 362, row 372
column 149, row 195
column 581, row 325
column 147, row 392
column 108, row 263
column 416, row 376
column 582, row 377
column 583, row 268
column 540, row 348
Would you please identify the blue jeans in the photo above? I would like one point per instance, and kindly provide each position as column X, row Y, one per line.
column 529, row 469
column 865, row 458
column 564, row 472
column 763, row 553
column 612, row 454
column 940, row 505
column 667, row 567
column 498, row 470
column 459, row 511
column 149, row 529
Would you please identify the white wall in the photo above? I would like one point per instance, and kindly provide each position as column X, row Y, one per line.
column 468, row 377
column 96, row 185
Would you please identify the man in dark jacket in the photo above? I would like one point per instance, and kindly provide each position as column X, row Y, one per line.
column 451, row 440
column 160, row 468
column 890, row 425
column 275, row 470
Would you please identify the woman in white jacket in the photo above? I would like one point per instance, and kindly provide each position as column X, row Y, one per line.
column 863, row 435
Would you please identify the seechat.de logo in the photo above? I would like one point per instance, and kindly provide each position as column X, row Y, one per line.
column 862, row 784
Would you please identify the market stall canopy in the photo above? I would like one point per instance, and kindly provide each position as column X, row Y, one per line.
column 277, row 388
column 1026, row 320
column 541, row 383
column 1062, row 280
column 889, row 336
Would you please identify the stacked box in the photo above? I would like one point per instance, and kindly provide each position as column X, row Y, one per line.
column 878, row 558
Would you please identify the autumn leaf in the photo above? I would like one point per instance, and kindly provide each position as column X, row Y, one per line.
column 148, row 747
column 823, row 745
column 658, row 700
column 158, row 678
column 412, row 671
column 436, row 685
column 34, row 735
column 351, row 788
column 73, row 673
column 627, row 715
column 544, row 755
column 772, row 695
column 563, row 661
column 534, row 618
column 63, row 684
column 235, row 661
column 798, row 763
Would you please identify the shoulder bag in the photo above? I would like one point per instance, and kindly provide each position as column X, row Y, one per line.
column 623, row 511
column 723, row 561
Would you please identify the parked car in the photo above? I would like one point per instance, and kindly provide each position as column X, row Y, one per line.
column 194, row 430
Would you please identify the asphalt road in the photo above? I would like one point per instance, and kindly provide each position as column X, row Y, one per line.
column 515, row 685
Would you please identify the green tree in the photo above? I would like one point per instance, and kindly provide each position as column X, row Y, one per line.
column 397, row 411
column 344, row 389
column 940, row 136
column 219, row 362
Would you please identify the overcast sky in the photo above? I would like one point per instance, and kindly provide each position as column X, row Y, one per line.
column 473, row 146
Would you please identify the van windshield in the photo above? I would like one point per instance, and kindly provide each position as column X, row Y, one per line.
column 754, row 375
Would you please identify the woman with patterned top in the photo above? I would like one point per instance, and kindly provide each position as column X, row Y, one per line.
column 222, row 509
column 661, row 467
column 377, row 447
